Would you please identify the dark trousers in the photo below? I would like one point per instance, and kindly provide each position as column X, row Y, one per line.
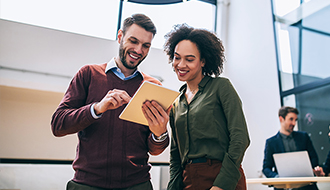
column 78, row 186
column 200, row 176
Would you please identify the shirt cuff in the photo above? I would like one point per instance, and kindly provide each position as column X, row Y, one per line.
column 93, row 112
column 161, row 140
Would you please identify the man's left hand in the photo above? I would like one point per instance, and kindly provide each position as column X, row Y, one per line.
column 156, row 116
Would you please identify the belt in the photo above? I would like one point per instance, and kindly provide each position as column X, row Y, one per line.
column 197, row 160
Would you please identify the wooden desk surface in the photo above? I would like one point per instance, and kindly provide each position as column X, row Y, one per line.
column 288, row 182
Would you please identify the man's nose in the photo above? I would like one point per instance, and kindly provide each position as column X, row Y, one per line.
column 138, row 49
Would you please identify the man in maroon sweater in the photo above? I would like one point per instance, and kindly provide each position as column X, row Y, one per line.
column 113, row 153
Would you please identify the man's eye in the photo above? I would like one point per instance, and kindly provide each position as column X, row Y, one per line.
column 146, row 46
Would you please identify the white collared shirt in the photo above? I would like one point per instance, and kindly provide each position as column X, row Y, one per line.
column 112, row 66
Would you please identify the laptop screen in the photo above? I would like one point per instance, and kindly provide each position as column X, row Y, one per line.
column 293, row 164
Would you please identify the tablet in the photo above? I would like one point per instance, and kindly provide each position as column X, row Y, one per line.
column 147, row 91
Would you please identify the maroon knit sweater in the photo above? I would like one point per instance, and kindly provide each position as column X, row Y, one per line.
column 111, row 153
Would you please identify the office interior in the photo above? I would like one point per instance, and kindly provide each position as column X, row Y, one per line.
column 277, row 53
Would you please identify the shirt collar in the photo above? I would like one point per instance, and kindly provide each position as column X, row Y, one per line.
column 201, row 84
column 286, row 136
column 112, row 66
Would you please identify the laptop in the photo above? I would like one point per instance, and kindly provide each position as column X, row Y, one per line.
column 293, row 164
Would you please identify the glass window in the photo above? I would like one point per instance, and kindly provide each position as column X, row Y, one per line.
column 284, row 49
column 315, row 56
column 294, row 35
column 303, row 64
column 302, row 54
column 286, row 57
column 93, row 18
column 166, row 16
column 290, row 100
column 319, row 20
column 283, row 7
column 306, row 62
column 314, row 109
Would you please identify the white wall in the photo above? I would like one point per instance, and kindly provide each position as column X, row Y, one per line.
column 251, row 66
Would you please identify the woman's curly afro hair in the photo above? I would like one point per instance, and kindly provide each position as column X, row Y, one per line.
column 209, row 45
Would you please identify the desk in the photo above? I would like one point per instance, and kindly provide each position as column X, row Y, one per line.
column 288, row 182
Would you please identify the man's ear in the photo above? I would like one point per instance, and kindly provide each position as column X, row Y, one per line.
column 120, row 35
column 281, row 119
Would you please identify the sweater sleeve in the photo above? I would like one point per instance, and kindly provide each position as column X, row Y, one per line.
column 156, row 148
column 72, row 115
column 238, row 134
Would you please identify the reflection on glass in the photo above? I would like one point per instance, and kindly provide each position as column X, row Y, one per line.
column 319, row 20
column 283, row 7
column 195, row 13
column 93, row 18
column 287, row 81
column 315, row 55
column 294, row 36
column 314, row 108
column 290, row 100
column 284, row 50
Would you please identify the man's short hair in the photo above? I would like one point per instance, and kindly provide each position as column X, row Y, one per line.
column 140, row 20
column 285, row 110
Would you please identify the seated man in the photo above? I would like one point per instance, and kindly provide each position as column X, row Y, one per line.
column 287, row 140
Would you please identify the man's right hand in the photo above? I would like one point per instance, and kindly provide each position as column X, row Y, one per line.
column 112, row 100
column 318, row 171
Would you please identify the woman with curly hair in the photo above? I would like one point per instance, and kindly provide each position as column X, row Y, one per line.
column 209, row 132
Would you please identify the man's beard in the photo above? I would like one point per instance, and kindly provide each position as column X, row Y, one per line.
column 290, row 129
column 123, row 55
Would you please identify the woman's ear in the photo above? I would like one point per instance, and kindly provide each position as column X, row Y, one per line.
column 203, row 62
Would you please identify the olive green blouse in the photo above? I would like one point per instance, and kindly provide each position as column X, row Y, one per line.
column 212, row 126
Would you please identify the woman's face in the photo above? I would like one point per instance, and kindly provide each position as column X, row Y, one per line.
column 186, row 62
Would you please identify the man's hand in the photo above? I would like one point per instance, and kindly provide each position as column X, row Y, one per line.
column 215, row 188
column 318, row 171
column 112, row 100
column 156, row 116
